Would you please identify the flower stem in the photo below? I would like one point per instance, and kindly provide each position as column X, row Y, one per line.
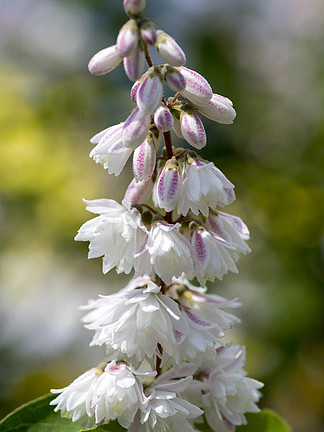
column 147, row 55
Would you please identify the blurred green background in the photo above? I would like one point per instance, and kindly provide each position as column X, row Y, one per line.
column 268, row 57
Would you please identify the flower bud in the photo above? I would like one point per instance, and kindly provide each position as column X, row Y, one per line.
column 134, row 64
column 127, row 38
column 148, row 31
column 150, row 92
column 135, row 128
column 104, row 61
column 219, row 109
column 169, row 50
column 163, row 119
column 197, row 89
column 168, row 186
column 134, row 7
column 176, row 123
column 174, row 78
column 144, row 159
column 134, row 90
column 192, row 128
column 139, row 192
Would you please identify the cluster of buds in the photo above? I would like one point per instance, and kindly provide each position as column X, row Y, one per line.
column 167, row 367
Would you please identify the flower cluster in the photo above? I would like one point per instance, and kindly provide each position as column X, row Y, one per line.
column 167, row 366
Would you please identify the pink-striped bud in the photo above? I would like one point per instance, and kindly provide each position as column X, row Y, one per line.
column 169, row 50
column 174, row 78
column 144, row 159
column 219, row 109
column 139, row 192
column 148, row 31
column 192, row 127
column 163, row 119
column 135, row 128
column 134, row 7
column 197, row 89
column 104, row 61
column 134, row 90
column 127, row 38
column 150, row 92
column 134, row 64
column 167, row 189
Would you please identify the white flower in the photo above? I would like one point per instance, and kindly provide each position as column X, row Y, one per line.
column 134, row 63
column 164, row 410
column 232, row 229
column 212, row 256
column 117, row 233
column 163, row 118
column 203, row 186
column 226, row 393
column 135, row 321
column 100, row 395
column 209, row 306
column 135, row 128
column 170, row 253
column 110, row 150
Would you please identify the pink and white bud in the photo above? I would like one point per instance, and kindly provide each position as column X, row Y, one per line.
column 134, row 64
column 105, row 61
column 167, row 189
column 177, row 126
column 192, row 128
column 148, row 31
column 174, row 78
column 134, row 90
column 219, row 109
column 169, row 50
column 163, row 118
column 139, row 192
column 135, row 128
column 144, row 159
column 127, row 38
column 150, row 92
column 197, row 89
column 134, row 7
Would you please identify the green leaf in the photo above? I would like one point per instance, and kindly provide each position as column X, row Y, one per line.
column 39, row 416
column 264, row 421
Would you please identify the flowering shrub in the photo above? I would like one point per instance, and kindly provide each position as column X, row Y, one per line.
column 167, row 367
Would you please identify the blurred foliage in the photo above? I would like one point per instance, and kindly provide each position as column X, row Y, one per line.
column 266, row 57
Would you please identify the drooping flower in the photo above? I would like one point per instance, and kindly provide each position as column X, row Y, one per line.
column 134, row 63
column 212, row 255
column 174, row 78
column 163, row 118
column 108, row 392
column 117, row 233
column 134, row 321
column 134, row 7
column 127, row 38
column 169, row 252
column 148, row 31
column 224, row 391
column 164, row 410
column 110, row 150
column 203, row 186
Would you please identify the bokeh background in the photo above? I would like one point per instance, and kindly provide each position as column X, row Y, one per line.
column 268, row 57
